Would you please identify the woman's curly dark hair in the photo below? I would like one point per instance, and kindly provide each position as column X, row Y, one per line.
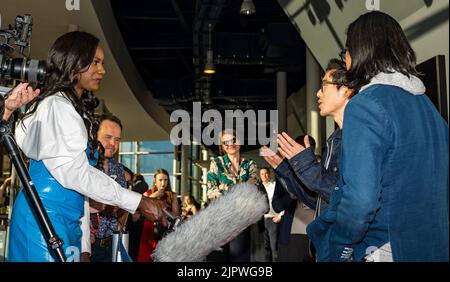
column 89, row 104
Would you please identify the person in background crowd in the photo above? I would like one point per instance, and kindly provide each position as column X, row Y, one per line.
column 225, row 171
column 153, row 231
column 106, row 219
column 135, row 221
column 272, row 219
column 139, row 184
column 190, row 207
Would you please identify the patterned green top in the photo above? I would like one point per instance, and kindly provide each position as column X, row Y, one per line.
column 222, row 175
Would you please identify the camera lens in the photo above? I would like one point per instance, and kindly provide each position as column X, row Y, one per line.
column 22, row 69
column 27, row 70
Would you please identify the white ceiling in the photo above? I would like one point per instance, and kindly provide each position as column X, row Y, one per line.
column 50, row 20
column 335, row 20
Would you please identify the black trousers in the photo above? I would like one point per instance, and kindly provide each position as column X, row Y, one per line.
column 101, row 252
column 135, row 230
column 297, row 249
column 237, row 250
column 271, row 240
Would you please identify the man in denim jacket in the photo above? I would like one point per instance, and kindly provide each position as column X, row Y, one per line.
column 300, row 173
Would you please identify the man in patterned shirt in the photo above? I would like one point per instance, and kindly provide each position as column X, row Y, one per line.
column 104, row 218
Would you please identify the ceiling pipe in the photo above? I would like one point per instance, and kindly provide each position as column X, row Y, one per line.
column 207, row 15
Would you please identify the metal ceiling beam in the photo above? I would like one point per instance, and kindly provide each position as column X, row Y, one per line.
column 185, row 63
column 260, row 98
column 162, row 47
column 180, row 15
column 157, row 59
column 149, row 18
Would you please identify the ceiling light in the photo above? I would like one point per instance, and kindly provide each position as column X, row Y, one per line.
column 209, row 65
column 247, row 7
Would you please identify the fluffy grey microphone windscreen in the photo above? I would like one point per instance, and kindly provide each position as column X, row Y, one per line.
column 214, row 226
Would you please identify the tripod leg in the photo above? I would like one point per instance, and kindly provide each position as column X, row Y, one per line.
column 53, row 241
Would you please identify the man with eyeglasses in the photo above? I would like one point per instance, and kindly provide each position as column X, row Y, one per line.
column 300, row 162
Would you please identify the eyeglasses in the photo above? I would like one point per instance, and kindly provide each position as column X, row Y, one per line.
column 326, row 82
column 342, row 54
column 229, row 142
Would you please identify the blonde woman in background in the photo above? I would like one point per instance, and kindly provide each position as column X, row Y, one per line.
column 226, row 170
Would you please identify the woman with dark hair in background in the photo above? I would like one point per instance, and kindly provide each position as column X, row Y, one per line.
column 190, row 207
column 153, row 231
column 391, row 201
column 58, row 135
column 139, row 184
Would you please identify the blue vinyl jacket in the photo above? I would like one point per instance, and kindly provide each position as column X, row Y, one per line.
column 64, row 208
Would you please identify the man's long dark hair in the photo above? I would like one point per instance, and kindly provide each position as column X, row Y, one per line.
column 377, row 43
column 71, row 55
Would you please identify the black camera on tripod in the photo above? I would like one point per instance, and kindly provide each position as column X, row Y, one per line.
column 23, row 68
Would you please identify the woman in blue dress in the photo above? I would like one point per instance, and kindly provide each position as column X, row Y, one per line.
column 56, row 134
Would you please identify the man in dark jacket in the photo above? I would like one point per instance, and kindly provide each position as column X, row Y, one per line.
column 300, row 173
column 300, row 162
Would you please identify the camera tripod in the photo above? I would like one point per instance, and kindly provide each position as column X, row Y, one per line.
column 53, row 241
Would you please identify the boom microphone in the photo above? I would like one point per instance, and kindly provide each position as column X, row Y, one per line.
column 210, row 228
